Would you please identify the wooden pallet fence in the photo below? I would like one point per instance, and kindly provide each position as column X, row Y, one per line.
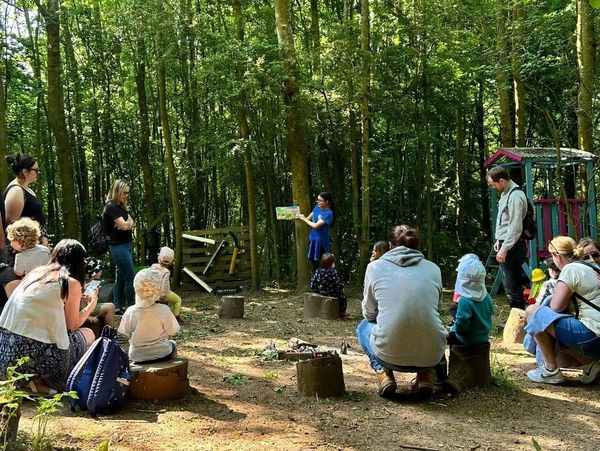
column 199, row 247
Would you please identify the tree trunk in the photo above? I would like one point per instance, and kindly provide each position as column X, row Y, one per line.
column 247, row 151
column 169, row 159
column 56, row 117
column 4, row 178
column 296, row 138
column 365, row 84
column 586, row 38
column 461, row 176
column 518, row 49
column 506, row 130
column 144, row 152
column 77, row 144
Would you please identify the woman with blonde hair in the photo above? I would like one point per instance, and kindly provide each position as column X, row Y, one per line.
column 572, row 320
column 118, row 224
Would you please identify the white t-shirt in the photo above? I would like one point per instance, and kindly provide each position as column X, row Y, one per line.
column 583, row 280
column 29, row 259
column 148, row 329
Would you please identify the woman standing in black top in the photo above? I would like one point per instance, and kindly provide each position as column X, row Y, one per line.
column 20, row 200
column 118, row 223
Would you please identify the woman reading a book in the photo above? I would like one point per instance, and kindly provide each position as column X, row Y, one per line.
column 320, row 220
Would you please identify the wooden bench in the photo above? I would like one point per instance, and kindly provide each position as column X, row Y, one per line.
column 319, row 306
column 161, row 381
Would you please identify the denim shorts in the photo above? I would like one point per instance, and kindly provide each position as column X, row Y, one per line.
column 571, row 333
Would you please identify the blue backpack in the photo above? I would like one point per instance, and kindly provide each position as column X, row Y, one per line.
column 101, row 378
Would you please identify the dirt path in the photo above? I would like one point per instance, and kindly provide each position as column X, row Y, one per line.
column 243, row 401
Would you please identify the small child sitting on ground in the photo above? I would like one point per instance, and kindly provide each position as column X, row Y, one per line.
column 379, row 248
column 474, row 313
column 166, row 255
column 105, row 310
column 326, row 281
column 547, row 289
column 148, row 325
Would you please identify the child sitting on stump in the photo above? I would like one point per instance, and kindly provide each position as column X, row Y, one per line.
column 474, row 313
column 148, row 325
column 327, row 282
column 166, row 255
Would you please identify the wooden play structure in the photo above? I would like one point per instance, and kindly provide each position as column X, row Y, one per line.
column 216, row 259
column 533, row 168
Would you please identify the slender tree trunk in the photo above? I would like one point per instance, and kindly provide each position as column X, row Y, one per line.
column 480, row 137
column 461, row 176
column 56, row 116
column 518, row 49
column 169, row 159
column 365, row 84
column 506, row 130
column 144, row 152
column 77, row 144
column 4, row 178
column 586, row 40
column 296, row 138
column 247, row 151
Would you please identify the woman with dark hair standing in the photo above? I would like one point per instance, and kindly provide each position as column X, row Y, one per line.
column 402, row 329
column 42, row 320
column 320, row 221
column 118, row 224
column 19, row 199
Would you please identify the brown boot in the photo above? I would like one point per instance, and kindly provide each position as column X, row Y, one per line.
column 424, row 384
column 387, row 384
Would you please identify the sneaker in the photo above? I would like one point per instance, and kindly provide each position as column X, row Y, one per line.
column 590, row 372
column 387, row 384
column 541, row 375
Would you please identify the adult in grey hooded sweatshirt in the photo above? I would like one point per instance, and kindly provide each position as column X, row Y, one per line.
column 402, row 329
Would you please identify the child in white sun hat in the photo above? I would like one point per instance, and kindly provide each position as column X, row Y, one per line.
column 149, row 325
column 475, row 309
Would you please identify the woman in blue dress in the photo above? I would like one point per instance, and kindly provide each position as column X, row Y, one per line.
column 320, row 220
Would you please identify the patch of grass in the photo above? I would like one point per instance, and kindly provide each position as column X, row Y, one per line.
column 271, row 376
column 268, row 355
column 501, row 377
column 235, row 379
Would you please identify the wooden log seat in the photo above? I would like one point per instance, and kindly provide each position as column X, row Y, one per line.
column 319, row 306
column 161, row 381
column 514, row 329
column 469, row 366
column 231, row 307
column 322, row 377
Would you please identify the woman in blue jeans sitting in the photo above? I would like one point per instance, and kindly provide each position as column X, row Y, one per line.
column 118, row 223
column 572, row 320
column 402, row 329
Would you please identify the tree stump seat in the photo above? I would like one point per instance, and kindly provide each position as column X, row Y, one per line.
column 161, row 380
column 321, row 376
column 514, row 329
column 231, row 307
column 468, row 366
column 319, row 306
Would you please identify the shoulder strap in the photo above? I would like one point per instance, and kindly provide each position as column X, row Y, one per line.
column 589, row 265
column 585, row 301
column 11, row 186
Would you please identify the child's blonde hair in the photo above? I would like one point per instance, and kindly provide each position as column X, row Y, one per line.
column 25, row 231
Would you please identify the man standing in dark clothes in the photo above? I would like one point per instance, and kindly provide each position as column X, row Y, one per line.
column 510, row 247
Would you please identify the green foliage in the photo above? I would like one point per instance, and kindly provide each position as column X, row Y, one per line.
column 501, row 377
column 46, row 408
column 536, row 445
column 235, row 379
column 271, row 376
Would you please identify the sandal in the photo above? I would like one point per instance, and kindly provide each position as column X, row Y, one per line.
column 34, row 391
